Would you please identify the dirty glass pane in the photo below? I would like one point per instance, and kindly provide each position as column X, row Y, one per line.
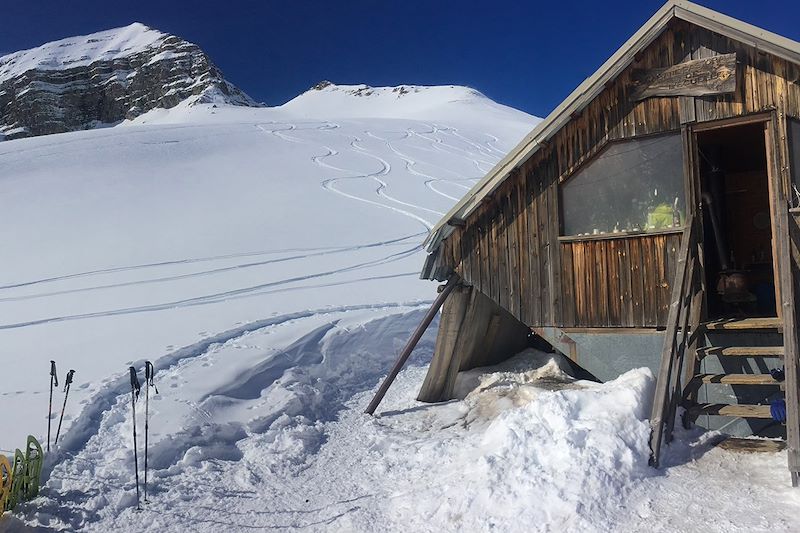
column 794, row 148
column 632, row 186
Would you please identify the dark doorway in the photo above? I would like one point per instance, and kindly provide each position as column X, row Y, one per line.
column 737, row 224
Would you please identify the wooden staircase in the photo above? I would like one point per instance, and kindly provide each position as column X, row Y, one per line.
column 698, row 359
column 744, row 371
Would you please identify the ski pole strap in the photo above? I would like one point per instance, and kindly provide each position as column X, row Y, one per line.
column 54, row 373
column 149, row 374
column 136, row 387
column 68, row 380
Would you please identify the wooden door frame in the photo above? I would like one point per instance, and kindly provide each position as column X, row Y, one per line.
column 775, row 185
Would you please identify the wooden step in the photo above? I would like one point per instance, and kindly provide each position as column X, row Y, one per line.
column 721, row 409
column 752, row 445
column 727, row 324
column 736, row 379
column 742, row 351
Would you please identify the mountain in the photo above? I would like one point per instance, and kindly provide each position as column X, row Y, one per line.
column 100, row 79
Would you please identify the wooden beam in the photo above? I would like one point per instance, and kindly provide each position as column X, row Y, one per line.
column 411, row 344
column 696, row 77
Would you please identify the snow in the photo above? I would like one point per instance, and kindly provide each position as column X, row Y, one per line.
column 81, row 51
column 267, row 261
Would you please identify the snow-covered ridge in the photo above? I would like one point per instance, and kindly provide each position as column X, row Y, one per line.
column 82, row 50
column 104, row 78
column 401, row 101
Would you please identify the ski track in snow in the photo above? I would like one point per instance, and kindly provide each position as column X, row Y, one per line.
column 95, row 445
column 378, row 176
column 324, row 252
column 105, row 422
column 385, row 166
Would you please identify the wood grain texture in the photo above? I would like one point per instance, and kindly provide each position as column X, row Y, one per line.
column 509, row 249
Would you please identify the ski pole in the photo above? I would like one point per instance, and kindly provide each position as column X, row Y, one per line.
column 67, row 382
column 53, row 383
column 149, row 374
column 135, row 389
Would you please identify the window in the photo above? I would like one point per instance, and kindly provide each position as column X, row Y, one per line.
column 794, row 158
column 632, row 186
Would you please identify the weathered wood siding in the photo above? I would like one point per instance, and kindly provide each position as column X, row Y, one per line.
column 509, row 247
column 618, row 282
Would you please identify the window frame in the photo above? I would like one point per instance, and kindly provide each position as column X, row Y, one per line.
column 602, row 148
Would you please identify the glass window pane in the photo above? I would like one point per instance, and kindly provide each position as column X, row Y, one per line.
column 631, row 186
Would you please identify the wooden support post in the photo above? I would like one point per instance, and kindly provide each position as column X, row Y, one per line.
column 412, row 343
column 787, row 275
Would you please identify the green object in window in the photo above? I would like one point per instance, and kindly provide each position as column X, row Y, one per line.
column 663, row 216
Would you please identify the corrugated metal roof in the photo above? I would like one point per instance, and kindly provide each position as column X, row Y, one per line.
column 593, row 85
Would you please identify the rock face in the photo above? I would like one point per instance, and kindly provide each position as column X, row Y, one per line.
column 100, row 79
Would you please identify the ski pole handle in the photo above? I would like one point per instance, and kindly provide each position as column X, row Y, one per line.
column 53, row 372
column 149, row 374
column 136, row 387
column 68, row 380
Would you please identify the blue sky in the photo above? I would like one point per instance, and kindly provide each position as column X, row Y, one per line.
column 529, row 55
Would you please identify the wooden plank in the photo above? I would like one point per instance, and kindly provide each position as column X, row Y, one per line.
column 485, row 266
column 743, row 324
column 614, row 291
column 672, row 244
column 737, row 379
column 650, row 282
column 601, row 289
column 552, row 246
column 468, row 254
column 544, row 253
column 742, row 351
column 510, row 207
column 637, row 282
column 626, row 297
column 580, row 281
column 491, row 252
column 699, row 77
column 500, row 244
column 752, row 445
column 522, row 253
column 567, row 287
column 451, row 323
column 661, row 278
column 535, row 295
column 590, row 272
column 737, row 410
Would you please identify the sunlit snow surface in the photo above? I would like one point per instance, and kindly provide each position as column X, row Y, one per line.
column 267, row 261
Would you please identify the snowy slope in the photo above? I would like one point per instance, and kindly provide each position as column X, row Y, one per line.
column 267, row 261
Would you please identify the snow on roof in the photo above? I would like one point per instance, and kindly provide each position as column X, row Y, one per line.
column 81, row 51
column 592, row 86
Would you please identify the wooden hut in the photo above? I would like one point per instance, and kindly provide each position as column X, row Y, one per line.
column 650, row 220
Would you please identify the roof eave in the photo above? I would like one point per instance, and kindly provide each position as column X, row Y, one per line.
column 591, row 87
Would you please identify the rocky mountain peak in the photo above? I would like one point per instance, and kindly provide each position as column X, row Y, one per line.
column 103, row 78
